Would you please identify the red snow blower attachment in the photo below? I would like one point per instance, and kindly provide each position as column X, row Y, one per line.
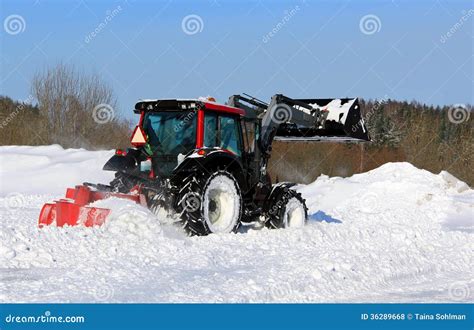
column 75, row 210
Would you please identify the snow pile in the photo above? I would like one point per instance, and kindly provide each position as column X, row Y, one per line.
column 391, row 188
column 49, row 169
column 396, row 233
column 129, row 220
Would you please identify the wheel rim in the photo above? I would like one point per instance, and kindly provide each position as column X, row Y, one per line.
column 221, row 204
column 295, row 215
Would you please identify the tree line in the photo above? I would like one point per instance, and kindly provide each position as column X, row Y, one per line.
column 434, row 138
column 77, row 110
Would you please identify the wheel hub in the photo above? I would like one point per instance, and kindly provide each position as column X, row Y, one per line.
column 221, row 204
column 212, row 206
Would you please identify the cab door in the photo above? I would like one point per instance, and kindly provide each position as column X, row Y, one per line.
column 223, row 131
column 251, row 159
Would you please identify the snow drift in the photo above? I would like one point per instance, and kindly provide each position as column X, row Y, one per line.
column 393, row 234
column 49, row 169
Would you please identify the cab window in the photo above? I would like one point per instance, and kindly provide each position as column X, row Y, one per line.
column 250, row 133
column 229, row 134
column 210, row 130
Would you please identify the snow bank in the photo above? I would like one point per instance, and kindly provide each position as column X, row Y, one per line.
column 390, row 187
column 49, row 169
column 396, row 233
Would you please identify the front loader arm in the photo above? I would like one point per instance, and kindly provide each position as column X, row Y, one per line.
column 283, row 110
column 304, row 118
column 280, row 110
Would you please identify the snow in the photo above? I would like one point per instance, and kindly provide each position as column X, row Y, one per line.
column 393, row 234
column 337, row 111
column 49, row 169
column 336, row 106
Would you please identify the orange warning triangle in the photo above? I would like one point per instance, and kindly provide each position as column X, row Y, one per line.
column 138, row 137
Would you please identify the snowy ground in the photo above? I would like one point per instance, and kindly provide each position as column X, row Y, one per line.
column 394, row 234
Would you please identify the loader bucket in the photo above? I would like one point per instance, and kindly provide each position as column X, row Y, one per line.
column 75, row 210
column 342, row 119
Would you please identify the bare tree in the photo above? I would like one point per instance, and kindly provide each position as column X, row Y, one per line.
column 80, row 109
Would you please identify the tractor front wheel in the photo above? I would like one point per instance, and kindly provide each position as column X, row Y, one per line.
column 286, row 208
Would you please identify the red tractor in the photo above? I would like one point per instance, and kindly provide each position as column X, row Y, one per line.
column 206, row 163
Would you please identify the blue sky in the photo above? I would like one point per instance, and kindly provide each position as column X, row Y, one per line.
column 317, row 48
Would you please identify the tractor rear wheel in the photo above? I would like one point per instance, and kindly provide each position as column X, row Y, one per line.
column 286, row 209
column 210, row 204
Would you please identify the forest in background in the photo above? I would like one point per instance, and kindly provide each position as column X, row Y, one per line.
column 75, row 110
column 432, row 138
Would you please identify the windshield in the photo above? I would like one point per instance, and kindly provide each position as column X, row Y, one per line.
column 170, row 132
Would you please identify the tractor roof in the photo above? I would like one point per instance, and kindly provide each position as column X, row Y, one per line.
column 183, row 105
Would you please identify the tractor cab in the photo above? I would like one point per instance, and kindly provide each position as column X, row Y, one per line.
column 169, row 131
